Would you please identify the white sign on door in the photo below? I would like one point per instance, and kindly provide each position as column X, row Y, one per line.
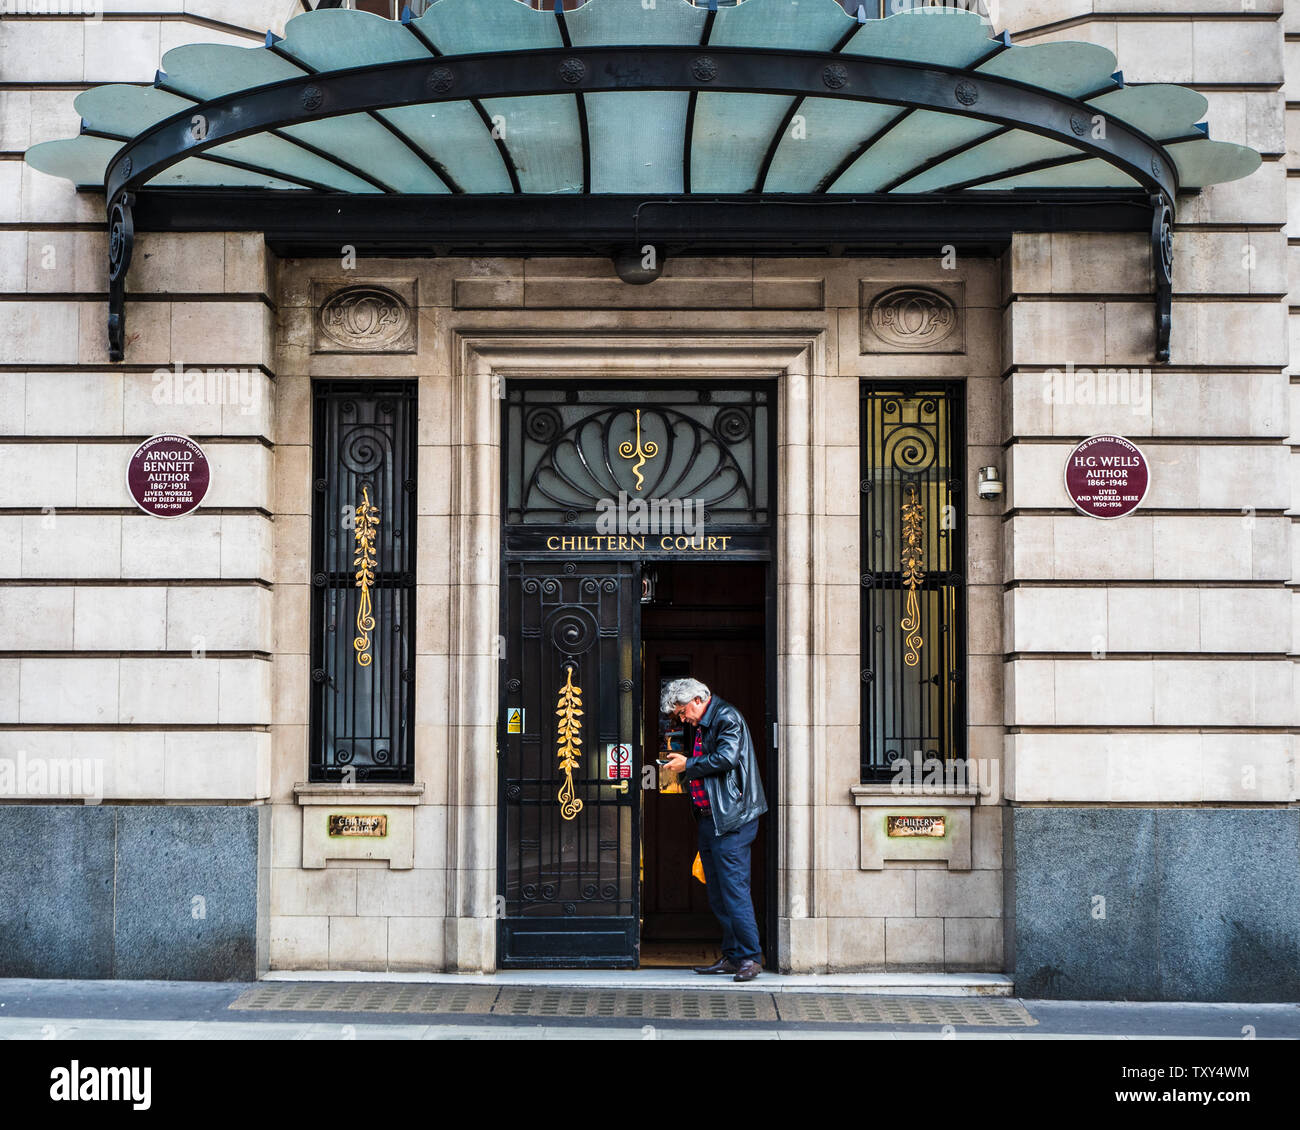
column 618, row 761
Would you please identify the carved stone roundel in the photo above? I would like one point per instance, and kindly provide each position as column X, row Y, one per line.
column 913, row 317
column 364, row 317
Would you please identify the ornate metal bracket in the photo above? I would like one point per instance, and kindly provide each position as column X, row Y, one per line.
column 121, row 242
column 1162, row 267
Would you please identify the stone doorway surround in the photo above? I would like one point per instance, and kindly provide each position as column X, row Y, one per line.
column 477, row 323
column 485, row 363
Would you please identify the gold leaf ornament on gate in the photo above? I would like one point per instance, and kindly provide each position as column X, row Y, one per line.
column 366, row 521
column 638, row 451
column 568, row 711
column 913, row 574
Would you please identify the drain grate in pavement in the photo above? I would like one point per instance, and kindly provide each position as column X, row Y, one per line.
column 633, row 1004
column 438, row 999
column 848, row 1008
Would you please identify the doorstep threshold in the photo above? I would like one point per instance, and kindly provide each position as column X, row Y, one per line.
column 884, row 984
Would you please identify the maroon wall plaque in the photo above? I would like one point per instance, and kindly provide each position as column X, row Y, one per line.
column 168, row 476
column 1106, row 477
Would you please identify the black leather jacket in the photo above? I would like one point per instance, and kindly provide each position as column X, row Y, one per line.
column 727, row 768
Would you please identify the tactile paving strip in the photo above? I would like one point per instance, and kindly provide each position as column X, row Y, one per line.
column 851, row 1008
column 663, row 1004
column 632, row 1004
column 436, row 999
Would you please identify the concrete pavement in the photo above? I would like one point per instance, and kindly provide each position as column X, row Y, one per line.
column 566, row 1004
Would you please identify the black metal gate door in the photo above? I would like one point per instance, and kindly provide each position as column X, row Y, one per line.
column 570, row 752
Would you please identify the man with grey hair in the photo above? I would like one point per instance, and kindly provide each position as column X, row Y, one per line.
column 727, row 800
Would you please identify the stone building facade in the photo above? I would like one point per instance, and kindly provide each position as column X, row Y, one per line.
column 1132, row 828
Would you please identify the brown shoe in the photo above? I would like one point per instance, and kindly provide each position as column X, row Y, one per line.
column 748, row 971
column 722, row 965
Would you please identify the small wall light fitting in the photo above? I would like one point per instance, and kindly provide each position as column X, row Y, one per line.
column 990, row 485
column 639, row 265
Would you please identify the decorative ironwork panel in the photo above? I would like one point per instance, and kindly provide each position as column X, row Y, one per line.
column 913, row 552
column 568, row 832
column 363, row 581
column 571, row 449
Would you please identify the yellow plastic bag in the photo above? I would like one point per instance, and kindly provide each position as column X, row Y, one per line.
column 697, row 868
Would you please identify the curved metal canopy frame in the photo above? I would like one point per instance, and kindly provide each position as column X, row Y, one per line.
column 573, row 70
column 1005, row 103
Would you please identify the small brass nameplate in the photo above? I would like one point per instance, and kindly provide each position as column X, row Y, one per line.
column 914, row 826
column 348, row 824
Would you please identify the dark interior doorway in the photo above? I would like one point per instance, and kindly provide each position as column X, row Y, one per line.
column 705, row 620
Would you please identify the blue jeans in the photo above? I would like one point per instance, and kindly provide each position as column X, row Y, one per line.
column 726, row 879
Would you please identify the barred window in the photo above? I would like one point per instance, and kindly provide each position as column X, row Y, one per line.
column 870, row 9
column 363, row 581
column 913, row 554
column 392, row 9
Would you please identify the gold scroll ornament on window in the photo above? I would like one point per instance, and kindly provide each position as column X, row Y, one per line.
column 367, row 520
column 567, row 732
column 913, row 574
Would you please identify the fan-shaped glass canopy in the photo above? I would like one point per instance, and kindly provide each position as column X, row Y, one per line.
column 476, row 124
column 769, row 96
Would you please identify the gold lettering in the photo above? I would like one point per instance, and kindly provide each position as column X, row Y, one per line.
column 664, row 542
column 637, row 543
column 712, row 544
column 724, row 542
column 550, row 540
column 568, row 543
